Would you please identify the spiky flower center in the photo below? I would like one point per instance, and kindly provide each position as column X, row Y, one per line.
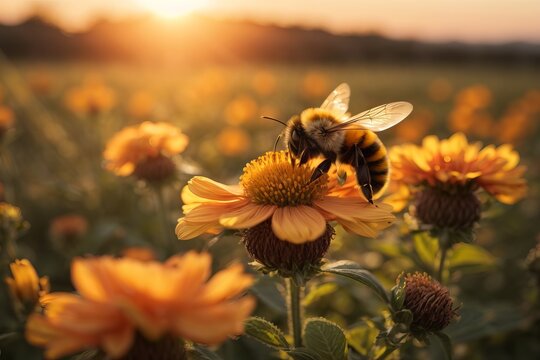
column 271, row 179
column 430, row 303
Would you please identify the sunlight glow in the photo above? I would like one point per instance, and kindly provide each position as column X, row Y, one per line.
column 172, row 8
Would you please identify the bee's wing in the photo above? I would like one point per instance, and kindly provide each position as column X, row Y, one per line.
column 379, row 118
column 338, row 100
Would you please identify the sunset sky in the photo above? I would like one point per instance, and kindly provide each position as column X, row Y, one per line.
column 471, row 21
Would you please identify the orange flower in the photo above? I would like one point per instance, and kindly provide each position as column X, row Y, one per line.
column 455, row 161
column 90, row 98
column 25, row 287
column 271, row 188
column 72, row 323
column 136, row 148
column 118, row 296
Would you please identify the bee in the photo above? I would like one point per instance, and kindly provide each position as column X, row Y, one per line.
column 330, row 132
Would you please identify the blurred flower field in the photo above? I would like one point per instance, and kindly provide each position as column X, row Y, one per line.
column 77, row 199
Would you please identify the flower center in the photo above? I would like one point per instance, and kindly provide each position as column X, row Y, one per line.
column 271, row 179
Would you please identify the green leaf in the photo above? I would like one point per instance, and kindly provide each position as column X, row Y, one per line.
column 353, row 271
column 403, row 317
column 470, row 256
column 319, row 292
column 362, row 339
column 426, row 247
column 445, row 343
column 265, row 332
column 303, row 354
column 326, row 339
column 397, row 295
column 201, row 353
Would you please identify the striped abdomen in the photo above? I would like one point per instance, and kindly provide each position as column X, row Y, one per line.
column 374, row 153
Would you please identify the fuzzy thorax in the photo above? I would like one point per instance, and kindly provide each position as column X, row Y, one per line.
column 317, row 123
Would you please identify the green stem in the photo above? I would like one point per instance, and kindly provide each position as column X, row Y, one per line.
column 387, row 352
column 294, row 293
column 440, row 272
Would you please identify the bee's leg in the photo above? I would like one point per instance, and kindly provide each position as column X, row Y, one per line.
column 321, row 169
column 277, row 141
column 305, row 156
column 362, row 174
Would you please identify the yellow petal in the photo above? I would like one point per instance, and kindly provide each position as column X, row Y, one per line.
column 212, row 190
column 247, row 216
column 186, row 230
column 298, row 224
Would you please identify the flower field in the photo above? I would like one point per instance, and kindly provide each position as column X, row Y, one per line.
column 140, row 213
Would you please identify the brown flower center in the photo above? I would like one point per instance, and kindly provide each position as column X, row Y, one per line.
column 457, row 209
column 155, row 169
column 271, row 179
column 283, row 256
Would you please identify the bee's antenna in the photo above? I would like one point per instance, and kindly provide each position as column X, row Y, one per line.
column 277, row 140
column 274, row 119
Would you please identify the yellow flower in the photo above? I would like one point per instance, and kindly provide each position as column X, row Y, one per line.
column 119, row 296
column 272, row 189
column 443, row 175
column 25, row 287
column 91, row 98
column 11, row 221
column 145, row 150
column 455, row 161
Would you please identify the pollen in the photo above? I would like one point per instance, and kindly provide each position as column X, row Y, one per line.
column 271, row 179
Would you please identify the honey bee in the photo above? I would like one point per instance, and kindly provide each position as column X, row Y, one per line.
column 330, row 132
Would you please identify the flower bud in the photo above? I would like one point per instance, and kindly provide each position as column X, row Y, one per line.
column 25, row 287
column 429, row 302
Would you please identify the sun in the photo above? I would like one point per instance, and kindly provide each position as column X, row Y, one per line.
column 172, row 8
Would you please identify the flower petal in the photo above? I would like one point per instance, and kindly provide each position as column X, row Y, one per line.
column 298, row 224
column 212, row 190
column 247, row 216
column 351, row 209
column 186, row 230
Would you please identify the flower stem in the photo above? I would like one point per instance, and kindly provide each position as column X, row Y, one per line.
column 294, row 294
column 440, row 272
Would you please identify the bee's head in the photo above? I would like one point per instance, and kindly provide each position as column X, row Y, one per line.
column 295, row 135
